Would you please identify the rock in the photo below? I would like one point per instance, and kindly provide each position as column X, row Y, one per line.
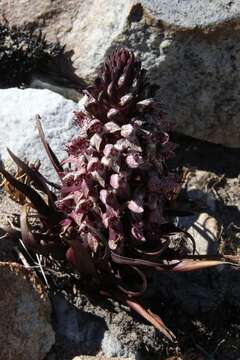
column 81, row 330
column 89, row 326
column 85, row 357
column 197, row 188
column 25, row 315
column 190, row 49
column 18, row 110
column 7, row 245
column 199, row 291
column 40, row 82
column 205, row 230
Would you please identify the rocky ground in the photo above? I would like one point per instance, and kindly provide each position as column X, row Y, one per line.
column 191, row 52
column 202, row 308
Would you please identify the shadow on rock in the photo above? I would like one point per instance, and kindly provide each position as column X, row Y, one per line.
column 62, row 65
column 77, row 332
column 207, row 156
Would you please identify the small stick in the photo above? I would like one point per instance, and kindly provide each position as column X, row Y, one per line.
column 41, row 268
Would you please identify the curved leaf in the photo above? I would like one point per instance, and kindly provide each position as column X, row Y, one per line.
column 36, row 200
column 54, row 160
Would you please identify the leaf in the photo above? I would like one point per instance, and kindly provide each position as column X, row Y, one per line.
column 103, row 196
column 137, row 232
column 93, row 242
column 179, row 266
column 115, row 181
column 95, row 126
column 114, row 164
column 113, row 238
column 84, row 206
column 100, row 179
column 145, row 105
column 42, row 247
column 134, row 160
column 106, row 161
column 79, row 257
column 135, row 207
column 35, row 176
column 127, row 100
column 27, row 237
column 115, row 115
column 152, row 318
column 112, row 91
column 54, row 160
column 31, row 194
column 94, row 164
column 111, row 127
column 127, row 130
column 85, row 188
column 109, row 150
column 96, row 141
column 190, row 265
column 125, row 144
column 143, row 282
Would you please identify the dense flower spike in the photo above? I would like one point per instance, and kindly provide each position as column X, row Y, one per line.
column 118, row 159
column 110, row 216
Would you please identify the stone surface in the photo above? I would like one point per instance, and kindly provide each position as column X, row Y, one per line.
column 205, row 230
column 18, row 110
column 82, row 332
column 199, row 292
column 98, row 357
column 197, row 188
column 190, row 14
column 7, row 244
column 40, row 82
column 90, row 326
column 25, row 315
column 190, row 48
column 204, row 290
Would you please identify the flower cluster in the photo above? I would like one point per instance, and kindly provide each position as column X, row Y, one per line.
column 109, row 216
column 117, row 182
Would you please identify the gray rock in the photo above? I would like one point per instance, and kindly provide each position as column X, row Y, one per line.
column 41, row 82
column 25, row 315
column 193, row 293
column 205, row 230
column 88, row 326
column 82, row 330
column 98, row 357
column 18, row 110
column 197, row 189
column 189, row 47
column 203, row 290
column 190, row 14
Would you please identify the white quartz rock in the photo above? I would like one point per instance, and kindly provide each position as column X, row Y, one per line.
column 18, row 111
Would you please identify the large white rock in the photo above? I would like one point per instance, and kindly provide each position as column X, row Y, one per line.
column 18, row 110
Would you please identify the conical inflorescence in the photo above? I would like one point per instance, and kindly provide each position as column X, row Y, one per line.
column 117, row 184
column 109, row 215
